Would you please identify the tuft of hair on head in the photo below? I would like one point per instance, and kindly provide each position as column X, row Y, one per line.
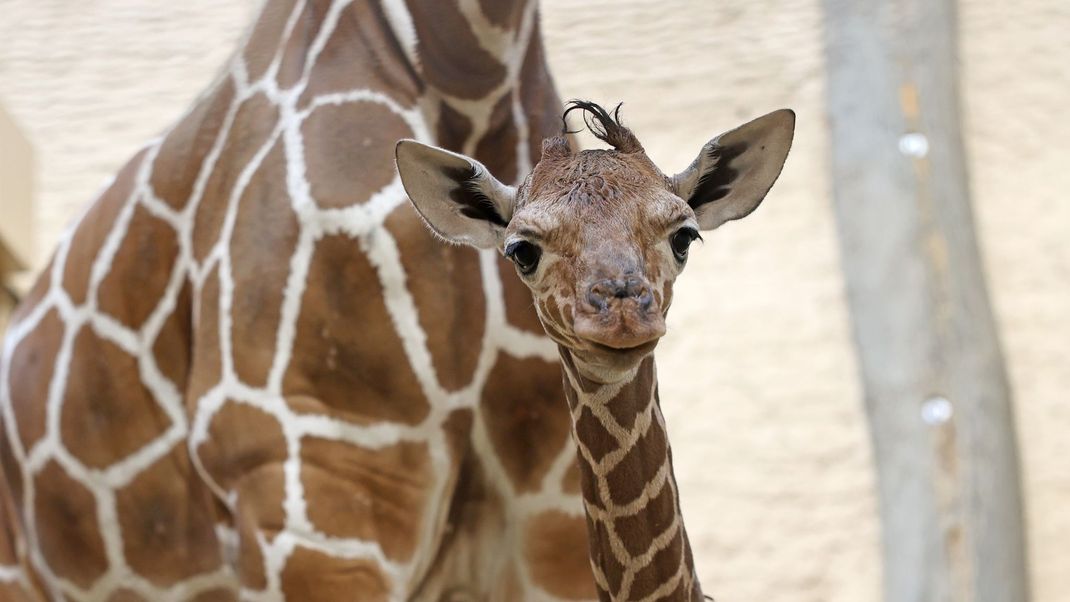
column 606, row 127
column 556, row 147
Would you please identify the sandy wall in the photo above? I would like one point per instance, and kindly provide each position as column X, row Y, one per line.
column 758, row 376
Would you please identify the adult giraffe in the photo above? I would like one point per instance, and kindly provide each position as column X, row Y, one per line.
column 250, row 371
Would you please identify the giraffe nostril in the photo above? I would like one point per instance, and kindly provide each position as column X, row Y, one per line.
column 604, row 292
column 645, row 299
column 596, row 299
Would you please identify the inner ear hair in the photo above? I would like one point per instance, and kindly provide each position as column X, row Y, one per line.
column 734, row 171
column 470, row 195
column 715, row 179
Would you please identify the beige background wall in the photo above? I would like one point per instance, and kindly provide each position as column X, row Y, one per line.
column 16, row 210
column 758, row 374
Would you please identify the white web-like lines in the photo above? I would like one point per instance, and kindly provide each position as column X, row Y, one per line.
column 597, row 403
column 362, row 221
column 102, row 484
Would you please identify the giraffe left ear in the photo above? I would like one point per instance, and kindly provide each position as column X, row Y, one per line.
column 735, row 170
column 458, row 198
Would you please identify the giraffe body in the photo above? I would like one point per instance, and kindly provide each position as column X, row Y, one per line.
column 250, row 372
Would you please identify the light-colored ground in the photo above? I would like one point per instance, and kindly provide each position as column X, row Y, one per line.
column 758, row 375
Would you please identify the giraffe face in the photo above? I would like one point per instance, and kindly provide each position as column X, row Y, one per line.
column 599, row 236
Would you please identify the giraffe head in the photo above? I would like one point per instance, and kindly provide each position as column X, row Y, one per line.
column 599, row 236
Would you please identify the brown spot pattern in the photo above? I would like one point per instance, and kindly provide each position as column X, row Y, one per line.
column 107, row 413
column 66, row 517
column 586, row 385
column 589, row 484
column 312, row 576
column 265, row 231
column 538, row 96
column 639, row 530
column 266, row 37
column 458, row 429
column 13, row 592
column 216, row 595
column 594, row 436
column 183, row 151
column 207, row 365
column 242, row 440
column 369, row 494
column 9, row 520
column 527, row 419
column 261, row 495
column 295, row 50
column 602, row 555
column 555, row 547
column 166, row 519
column 250, row 557
column 252, row 125
column 453, row 60
column 245, row 452
column 453, row 127
column 519, row 305
column 172, row 348
column 360, row 54
column 332, row 362
column 503, row 14
column 639, row 465
column 146, row 256
column 94, row 228
column 496, row 149
column 12, row 473
column 626, row 481
column 349, row 151
column 126, row 595
column 660, row 569
column 447, row 288
column 32, row 364
column 623, row 406
column 164, row 514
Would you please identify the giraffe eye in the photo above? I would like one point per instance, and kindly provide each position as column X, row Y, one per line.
column 525, row 255
column 681, row 242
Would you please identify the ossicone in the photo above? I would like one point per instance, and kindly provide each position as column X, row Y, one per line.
column 556, row 147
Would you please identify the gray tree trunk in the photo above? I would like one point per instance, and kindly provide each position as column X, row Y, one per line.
column 936, row 392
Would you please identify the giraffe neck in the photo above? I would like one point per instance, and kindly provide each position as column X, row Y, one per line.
column 484, row 82
column 638, row 544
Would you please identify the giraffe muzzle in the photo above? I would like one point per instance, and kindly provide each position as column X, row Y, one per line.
column 602, row 294
column 619, row 313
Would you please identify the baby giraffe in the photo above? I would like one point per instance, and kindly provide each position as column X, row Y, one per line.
column 599, row 236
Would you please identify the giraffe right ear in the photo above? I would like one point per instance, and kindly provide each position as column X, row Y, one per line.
column 735, row 170
column 455, row 194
